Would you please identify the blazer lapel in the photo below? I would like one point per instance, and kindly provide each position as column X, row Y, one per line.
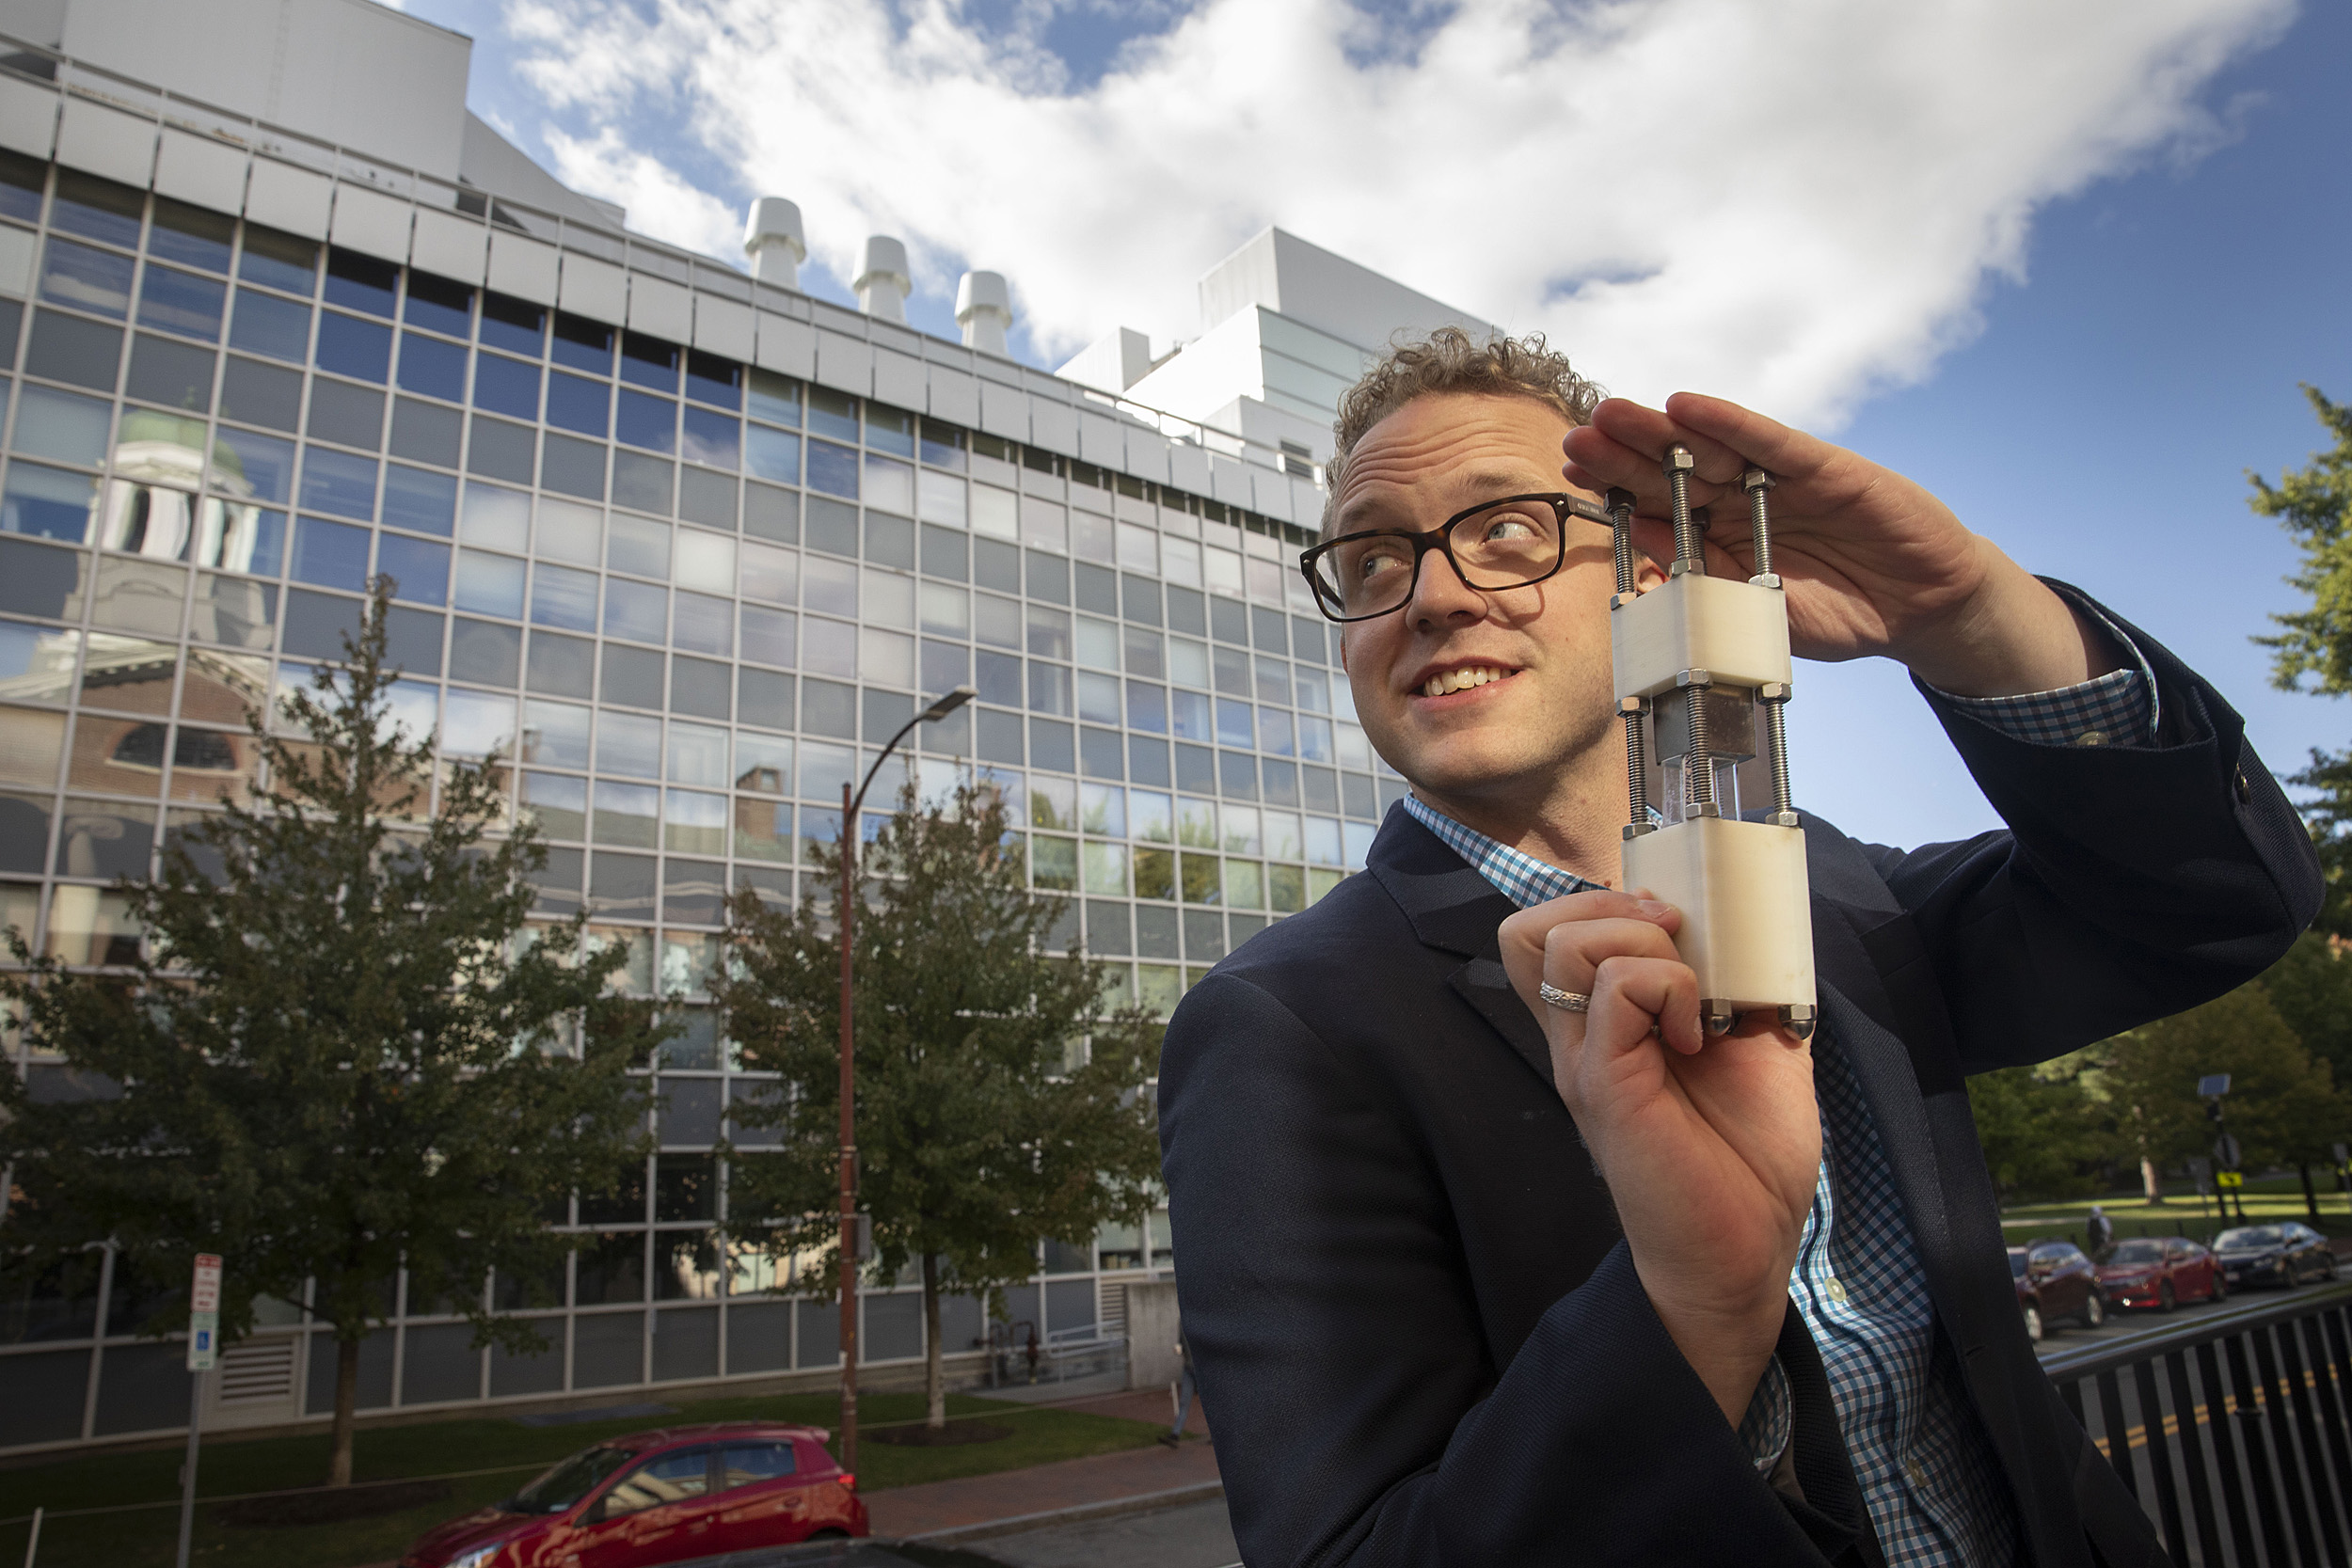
column 1454, row 909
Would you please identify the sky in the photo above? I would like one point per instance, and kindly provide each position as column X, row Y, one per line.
column 2062, row 261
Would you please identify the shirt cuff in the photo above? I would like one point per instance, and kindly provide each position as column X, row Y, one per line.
column 2118, row 708
column 1764, row 1430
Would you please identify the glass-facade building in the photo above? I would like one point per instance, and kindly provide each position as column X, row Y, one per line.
column 682, row 546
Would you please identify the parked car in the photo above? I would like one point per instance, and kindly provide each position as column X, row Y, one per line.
column 659, row 1496
column 2160, row 1272
column 2055, row 1281
column 2283, row 1254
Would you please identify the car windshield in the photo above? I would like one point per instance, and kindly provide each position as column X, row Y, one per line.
column 2137, row 1252
column 569, row 1482
column 2017, row 1263
column 2250, row 1236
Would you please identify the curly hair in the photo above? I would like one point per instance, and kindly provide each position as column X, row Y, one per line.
column 1449, row 360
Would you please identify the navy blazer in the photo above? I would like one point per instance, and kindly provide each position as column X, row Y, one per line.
column 1415, row 1322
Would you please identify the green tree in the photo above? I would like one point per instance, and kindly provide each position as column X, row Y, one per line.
column 340, row 1052
column 2045, row 1135
column 982, row 1124
column 2312, row 987
column 2283, row 1105
column 2314, row 505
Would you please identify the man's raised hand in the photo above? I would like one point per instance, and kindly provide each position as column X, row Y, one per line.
column 1872, row 562
column 1711, row 1146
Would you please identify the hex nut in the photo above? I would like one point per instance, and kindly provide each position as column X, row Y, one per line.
column 1756, row 479
column 1773, row 691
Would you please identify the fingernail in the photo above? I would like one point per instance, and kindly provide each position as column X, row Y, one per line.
column 1653, row 908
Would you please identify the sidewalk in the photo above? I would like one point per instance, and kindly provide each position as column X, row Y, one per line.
column 1105, row 1482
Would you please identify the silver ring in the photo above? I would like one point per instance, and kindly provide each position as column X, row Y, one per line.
column 1567, row 1001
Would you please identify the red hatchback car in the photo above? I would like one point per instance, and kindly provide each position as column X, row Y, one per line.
column 658, row 1497
column 2160, row 1272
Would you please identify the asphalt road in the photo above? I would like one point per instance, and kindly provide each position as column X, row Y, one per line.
column 1193, row 1535
column 2122, row 1324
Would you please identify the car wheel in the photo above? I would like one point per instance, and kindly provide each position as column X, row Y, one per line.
column 2095, row 1310
column 2167, row 1298
column 2033, row 1322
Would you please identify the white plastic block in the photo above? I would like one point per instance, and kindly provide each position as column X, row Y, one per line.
column 525, row 268
column 1100, row 441
column 1147, row 454
column 1747, row 927
column 1734, row 630
column 202, row 171
column 107, row 141
column 1054, row 425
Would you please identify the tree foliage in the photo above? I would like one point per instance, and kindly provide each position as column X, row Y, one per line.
column 2312, row 650
column 982, row 1126
column 2283, row 1105
column 2047, row 1134
column 338, row 1053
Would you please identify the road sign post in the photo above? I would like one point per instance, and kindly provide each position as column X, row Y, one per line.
column 203, row 1353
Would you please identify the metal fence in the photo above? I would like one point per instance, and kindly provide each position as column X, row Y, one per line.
column 2233, row 1431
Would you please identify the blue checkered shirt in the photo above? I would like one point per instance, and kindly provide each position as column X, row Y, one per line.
column 1928, row 1472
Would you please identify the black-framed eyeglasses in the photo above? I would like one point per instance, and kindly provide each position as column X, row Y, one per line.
column 1506, row 543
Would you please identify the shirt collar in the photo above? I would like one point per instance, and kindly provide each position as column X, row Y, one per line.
column 1515, row 874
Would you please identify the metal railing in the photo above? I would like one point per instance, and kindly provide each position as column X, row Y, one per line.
column 2234, row 1431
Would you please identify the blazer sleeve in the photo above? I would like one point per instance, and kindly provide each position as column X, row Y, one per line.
column 2134, row 882
column 1358, row 1418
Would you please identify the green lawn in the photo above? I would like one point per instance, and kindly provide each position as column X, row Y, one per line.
column 2268, row 1198
column 230, row 1467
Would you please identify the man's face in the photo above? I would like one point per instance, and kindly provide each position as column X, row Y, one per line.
column 1543, row 649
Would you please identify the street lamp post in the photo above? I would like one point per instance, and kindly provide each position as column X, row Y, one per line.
column 850, row 804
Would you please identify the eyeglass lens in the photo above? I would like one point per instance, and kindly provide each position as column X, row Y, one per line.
column 1503, row 546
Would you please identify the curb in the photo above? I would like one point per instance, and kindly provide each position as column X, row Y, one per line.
column 1141, row 1503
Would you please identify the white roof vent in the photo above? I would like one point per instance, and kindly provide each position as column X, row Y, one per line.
column 774, row 241
column 984, row 311
column 882, row 282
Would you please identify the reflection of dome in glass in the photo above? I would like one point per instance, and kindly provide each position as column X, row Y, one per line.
column 151, row 506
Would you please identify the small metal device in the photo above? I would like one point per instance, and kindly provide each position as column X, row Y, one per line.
column 1697, row 657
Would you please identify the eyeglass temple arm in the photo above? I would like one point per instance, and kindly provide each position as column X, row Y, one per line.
column 1590, row 511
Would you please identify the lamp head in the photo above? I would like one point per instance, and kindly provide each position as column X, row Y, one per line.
column 946, row 704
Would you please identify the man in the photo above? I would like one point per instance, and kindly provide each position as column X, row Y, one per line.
column 1474, row 1279
column 2099, row 1231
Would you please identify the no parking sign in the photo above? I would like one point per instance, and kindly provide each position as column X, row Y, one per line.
column 204, row 1314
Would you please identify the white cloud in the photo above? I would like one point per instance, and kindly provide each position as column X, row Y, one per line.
column 1792, row 203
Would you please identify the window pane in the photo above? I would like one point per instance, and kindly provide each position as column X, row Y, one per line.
column 190, row 235
column 833, row 469
column 432, row 367
column 86, row 278
column 773, row 455
column 264, row 324
column 420, row 568
column 420, row 499
column 332, row 555
column 361, row 350
column 575, row 403
column 490, row 584
column 279, row 260
column 50, row 503
column 62, row 425
column 768, row 635
column 629, row 744
column 339, row 483
column 561, row 597
column 506, row 386
column 637, row 544
column 705, row 625
column 637, row 610
column 711, row 437
column 627, row 814
column 259, row 468
column 182, row 302
column 889, row 487
column 497, row 518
